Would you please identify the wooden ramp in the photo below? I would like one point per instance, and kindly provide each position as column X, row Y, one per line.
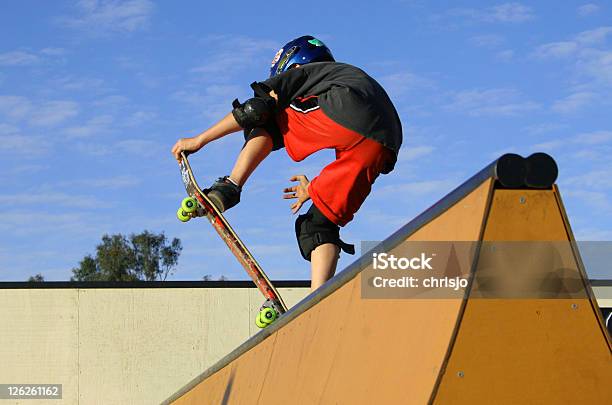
column 336, row 347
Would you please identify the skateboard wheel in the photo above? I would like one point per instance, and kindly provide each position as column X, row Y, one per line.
column 182, row 215
column 267, row 315
column 189, row 204
column 260, row 324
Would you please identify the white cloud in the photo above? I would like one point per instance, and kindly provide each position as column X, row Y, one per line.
column 596, row 199
column 139, row 118
column 214, row 101
column 417, row 189
column 550, row 145
column 594, row 36
column 113, row 101
column 116, row 182
column 586, row 52
column 267, row 250
column 493, row 102
column 402, row 82
column 22, row 145
column 599, row 179
column 512, row 12
column 378, row 216
column 12, row 142
column 556, row 50
column 103, row 16
column 505, row 55
column 14, row 107
column 573, row 102
column 18, row 58
column 139, row 147
column 487, row 40
column 588, row 9
column 27, row 58
column 229, row 53
column 34, row 222
column 94, row 126
column 408, row 153
column 547, row 127
column 6, row 129
column 53, row 51
column 88, row 84
column 51, row 198
column 594, row 138
column 131, row 147
column 53, row 112
column 92, row 149
column 597, row 65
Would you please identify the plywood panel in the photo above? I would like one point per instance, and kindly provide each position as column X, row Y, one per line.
column 528, row 350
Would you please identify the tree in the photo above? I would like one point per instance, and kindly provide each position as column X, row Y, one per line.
column 209, row 277
column 37, row 278
column 145, row 256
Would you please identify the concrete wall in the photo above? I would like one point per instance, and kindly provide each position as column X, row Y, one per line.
column 604, row 296
column 123, row 345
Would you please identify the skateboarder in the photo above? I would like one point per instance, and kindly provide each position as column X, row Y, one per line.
column 310, row 103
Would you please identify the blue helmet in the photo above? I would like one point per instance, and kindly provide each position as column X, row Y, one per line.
column 302, row 50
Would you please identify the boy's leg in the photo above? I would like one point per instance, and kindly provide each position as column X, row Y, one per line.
column 323, row 262
column 225, row 192
column 255, row 150
column 338, row 192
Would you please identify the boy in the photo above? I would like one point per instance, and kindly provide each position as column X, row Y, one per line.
column 309, row 103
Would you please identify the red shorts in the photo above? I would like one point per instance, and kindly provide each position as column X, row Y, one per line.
column 343, row 185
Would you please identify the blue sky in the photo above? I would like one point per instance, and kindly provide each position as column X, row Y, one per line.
column 93, row 94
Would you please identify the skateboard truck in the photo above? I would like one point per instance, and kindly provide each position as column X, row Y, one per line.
column 268, row 313
column 189, row 209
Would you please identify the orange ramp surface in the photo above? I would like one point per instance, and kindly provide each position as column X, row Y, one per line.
column 337, row 347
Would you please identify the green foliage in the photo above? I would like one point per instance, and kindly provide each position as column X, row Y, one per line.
column 209, row 277
column 37, row 278
column 145, row 256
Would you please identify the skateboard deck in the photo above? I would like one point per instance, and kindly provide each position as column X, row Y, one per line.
column 198, row 205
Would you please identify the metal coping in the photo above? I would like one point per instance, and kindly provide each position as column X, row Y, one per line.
column 147, row 284
column 347, row 274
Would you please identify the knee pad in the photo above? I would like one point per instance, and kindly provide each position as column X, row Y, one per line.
column 313, row 229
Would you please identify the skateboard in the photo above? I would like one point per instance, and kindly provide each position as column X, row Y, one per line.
column 197, row 204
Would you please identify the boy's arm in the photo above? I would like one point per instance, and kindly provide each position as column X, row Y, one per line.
column 226, row 126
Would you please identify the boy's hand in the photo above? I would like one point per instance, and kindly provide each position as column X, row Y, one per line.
column 300, row 192
column 186, row 145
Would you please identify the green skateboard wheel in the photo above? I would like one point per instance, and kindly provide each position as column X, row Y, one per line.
column 182, row 215
column 267, row 315
column 189, row 204
column 259, row 322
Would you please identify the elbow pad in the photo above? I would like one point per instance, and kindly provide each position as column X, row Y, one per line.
column 254, row 112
